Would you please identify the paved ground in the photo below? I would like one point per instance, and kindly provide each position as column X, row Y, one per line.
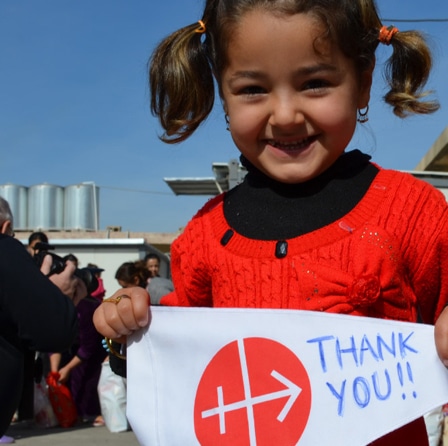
column 83, row 435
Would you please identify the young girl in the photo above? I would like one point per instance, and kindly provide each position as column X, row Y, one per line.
column 312, row 227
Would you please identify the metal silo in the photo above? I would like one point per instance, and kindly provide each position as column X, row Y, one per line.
column 45, row 207
column 81, row 208
column 17, row 197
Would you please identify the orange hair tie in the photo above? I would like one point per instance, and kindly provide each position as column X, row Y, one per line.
column 201, row 28
column 386, row 34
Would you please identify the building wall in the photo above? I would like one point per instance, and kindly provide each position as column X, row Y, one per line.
column 108, row 255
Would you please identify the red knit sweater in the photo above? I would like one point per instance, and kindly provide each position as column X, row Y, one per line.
column 387, row 258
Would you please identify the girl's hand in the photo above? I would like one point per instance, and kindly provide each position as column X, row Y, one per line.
column 125, row 311
column 441, row 336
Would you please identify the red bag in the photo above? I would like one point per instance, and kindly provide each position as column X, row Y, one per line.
column 61, row 400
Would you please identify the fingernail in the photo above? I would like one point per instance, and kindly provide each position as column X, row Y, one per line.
column 143, row 323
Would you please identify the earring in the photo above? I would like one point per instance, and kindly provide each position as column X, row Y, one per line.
column 362, row 115
column 226, row 117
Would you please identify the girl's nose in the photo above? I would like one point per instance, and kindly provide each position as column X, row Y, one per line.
column 286, row 112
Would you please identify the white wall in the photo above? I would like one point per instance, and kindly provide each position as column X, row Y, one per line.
column 108, row 254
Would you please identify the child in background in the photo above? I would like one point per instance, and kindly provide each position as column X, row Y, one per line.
column 313, row 226
column 130, row 274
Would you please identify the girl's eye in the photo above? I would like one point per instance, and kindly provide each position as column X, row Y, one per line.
column 251, row 90
column 316, row 84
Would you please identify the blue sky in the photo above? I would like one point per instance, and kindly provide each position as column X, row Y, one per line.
column 74, row 105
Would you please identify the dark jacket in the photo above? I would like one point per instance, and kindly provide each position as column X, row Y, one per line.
column 34, row 315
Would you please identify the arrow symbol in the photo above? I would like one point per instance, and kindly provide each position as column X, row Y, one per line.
column 292, row 391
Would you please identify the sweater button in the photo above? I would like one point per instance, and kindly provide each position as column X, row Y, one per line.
column 226, row 237
column 281, row 249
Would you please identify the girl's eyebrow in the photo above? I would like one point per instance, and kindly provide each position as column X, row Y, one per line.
column 316, row 69
column 304, row 71
column 246, row 75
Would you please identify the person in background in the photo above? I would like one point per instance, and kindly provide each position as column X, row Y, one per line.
column 157, row 286
column 72, row 259
column 131, row 274
column 152, row 262
column 6, row 227
column 100, row 292
column 80, row 366
column 34, row 239
column 6, row 219
column 36, row 363
column 315, row 225
column 49, row 322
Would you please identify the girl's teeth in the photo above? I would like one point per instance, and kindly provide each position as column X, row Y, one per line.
column 289, row 146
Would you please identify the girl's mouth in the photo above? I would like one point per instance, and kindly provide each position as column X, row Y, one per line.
column 291, row 146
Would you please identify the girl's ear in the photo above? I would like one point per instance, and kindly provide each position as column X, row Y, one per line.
column 224, row 105
column 365, row 87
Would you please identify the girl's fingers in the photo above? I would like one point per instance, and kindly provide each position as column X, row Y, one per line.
column 122, row 313
column 441, row 336
column 102, row 321
column 140, row 306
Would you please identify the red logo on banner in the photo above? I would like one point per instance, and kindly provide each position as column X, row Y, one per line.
column 254, row 392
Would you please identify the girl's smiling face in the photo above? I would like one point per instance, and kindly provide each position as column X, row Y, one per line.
column 291, row 95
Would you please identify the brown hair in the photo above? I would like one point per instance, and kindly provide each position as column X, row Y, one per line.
column 133, row 273
column 183, row 65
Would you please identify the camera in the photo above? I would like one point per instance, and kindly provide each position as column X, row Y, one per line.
column 87, row 275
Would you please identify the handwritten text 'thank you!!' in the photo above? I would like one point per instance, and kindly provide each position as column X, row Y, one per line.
column 394, row 352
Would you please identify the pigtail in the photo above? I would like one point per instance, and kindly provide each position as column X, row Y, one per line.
column 408, row 68
column 407, row 71
column 181, row 83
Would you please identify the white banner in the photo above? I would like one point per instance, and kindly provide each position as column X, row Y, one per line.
column 242, row 377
